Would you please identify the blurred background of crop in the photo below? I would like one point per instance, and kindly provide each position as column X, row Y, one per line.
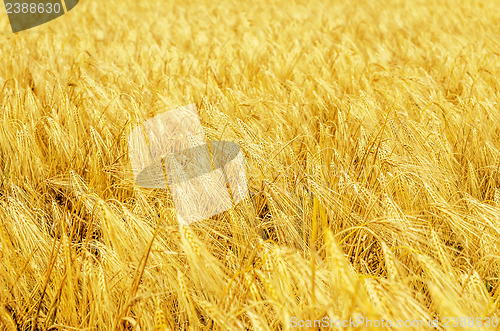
column 371, row 132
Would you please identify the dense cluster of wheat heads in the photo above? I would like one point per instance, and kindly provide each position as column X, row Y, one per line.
column 371, row 131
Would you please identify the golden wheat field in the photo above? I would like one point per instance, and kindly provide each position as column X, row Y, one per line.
column 371, row 136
